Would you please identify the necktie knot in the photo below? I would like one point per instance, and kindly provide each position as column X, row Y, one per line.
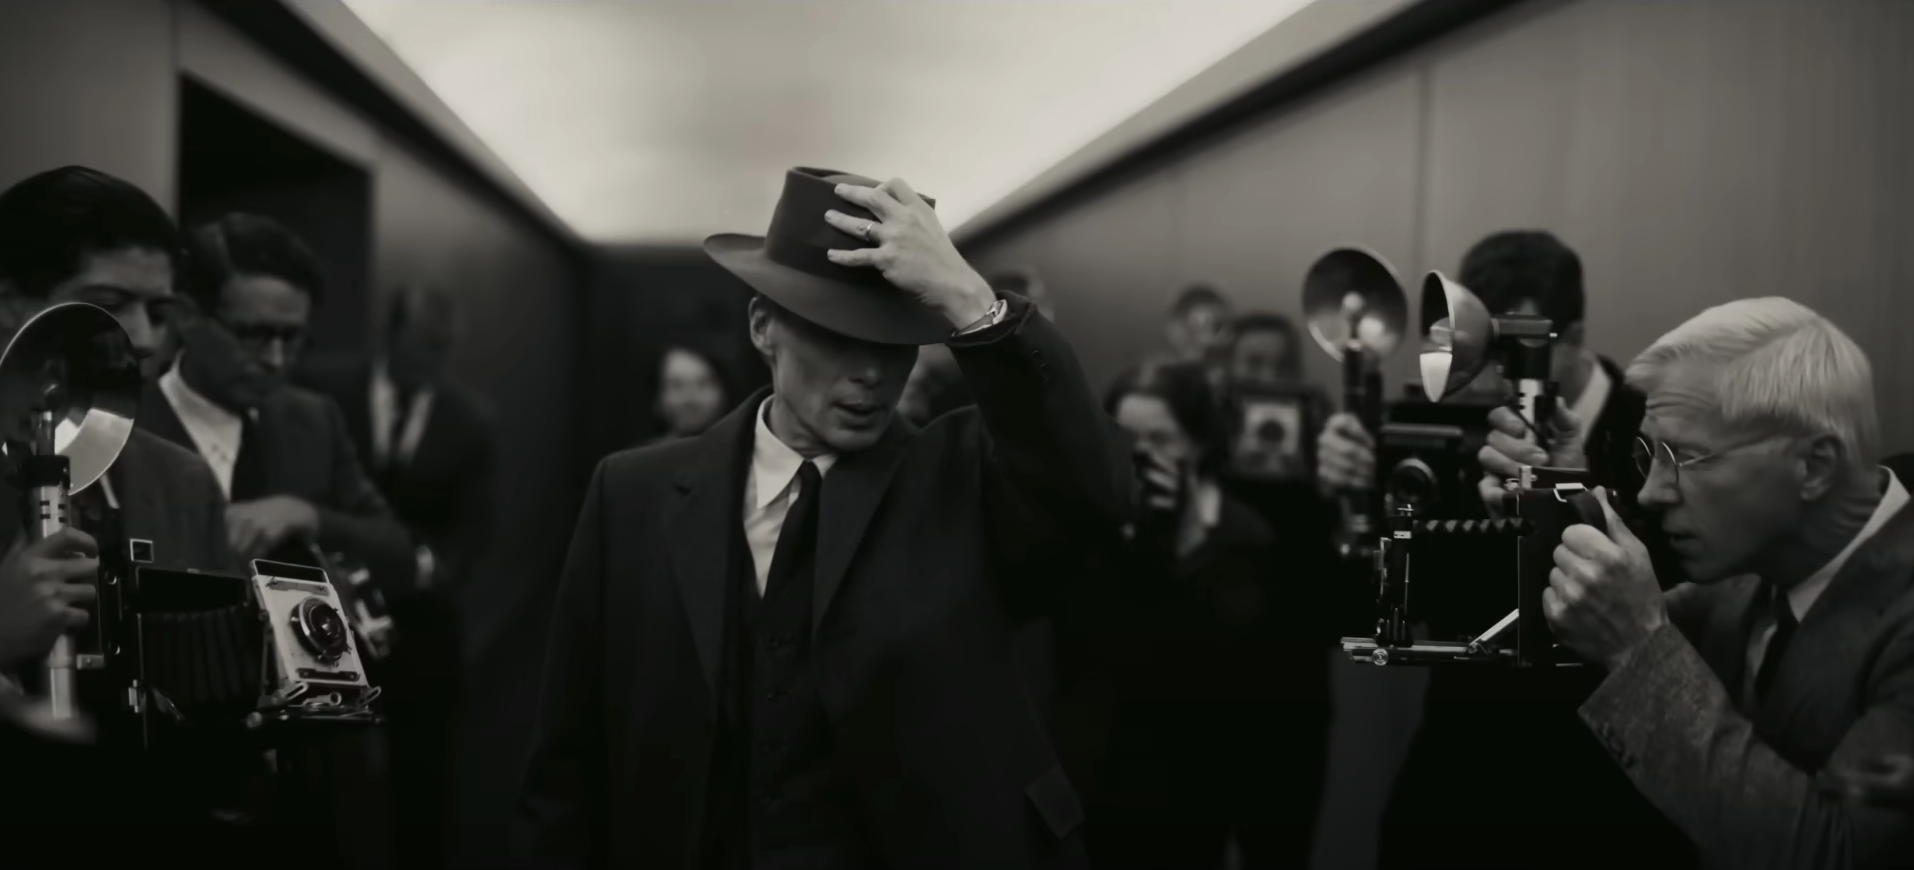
column 797, row 539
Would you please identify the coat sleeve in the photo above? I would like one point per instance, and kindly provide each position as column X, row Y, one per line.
column 1669, row 722
column 561, row 815
column 355, row 519
column 1056, row 472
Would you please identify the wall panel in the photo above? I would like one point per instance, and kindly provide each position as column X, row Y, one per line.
column 1113, row 259
column 221, row 57
column 103, row 94
column 1259, row 209
column 1694, row 155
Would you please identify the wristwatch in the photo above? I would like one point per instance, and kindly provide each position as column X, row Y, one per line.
column 991, row 318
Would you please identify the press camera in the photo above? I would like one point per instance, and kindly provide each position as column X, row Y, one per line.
column 1433, row 540
column 165, row 650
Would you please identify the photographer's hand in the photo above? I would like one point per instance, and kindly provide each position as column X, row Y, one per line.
column 254, row 528
column 1603, row 599
column 1506, row 452
column 1874, row 782
column 42, row 586
column 1162, row 482
column 1345, row 456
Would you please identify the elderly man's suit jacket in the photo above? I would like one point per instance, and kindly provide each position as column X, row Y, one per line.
column 309, row 454
column 922, row 549
column 1738, row 776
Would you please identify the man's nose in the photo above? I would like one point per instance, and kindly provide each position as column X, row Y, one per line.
column 274, row 356
column 1658, row 491
column 139, row 327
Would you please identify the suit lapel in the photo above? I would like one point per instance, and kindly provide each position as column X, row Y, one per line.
column 709, row 515
column 137, row 498
column 852, row 492
column 1841, row 622
column 158, row 417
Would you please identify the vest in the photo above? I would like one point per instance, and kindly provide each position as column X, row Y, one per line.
column 779, row 800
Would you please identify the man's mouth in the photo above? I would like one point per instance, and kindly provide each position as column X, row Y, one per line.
column 860, row 411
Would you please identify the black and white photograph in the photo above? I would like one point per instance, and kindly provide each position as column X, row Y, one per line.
column 957, row 434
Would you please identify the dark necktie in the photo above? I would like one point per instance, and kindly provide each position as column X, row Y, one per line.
column 1784, row 625
column 395, row 437
column 798, row 538
column 249, row 466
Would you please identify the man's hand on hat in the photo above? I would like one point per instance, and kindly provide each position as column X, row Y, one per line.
column 911, row 250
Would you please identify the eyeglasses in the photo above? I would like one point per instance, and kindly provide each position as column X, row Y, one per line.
column 1646, row 457
column 259, row 335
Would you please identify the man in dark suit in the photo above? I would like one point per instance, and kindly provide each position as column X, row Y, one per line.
column 1497, row 722
column 430, row 445
column 282, row 453
column 787, row 642
column 1791, row 654
column 428, row 441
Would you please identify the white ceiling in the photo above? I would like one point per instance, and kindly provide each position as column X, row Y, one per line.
column 662, row 121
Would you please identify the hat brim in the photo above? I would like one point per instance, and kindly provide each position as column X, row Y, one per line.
column 870, row 312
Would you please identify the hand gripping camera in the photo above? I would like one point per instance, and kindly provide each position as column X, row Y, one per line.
column 1460, row 340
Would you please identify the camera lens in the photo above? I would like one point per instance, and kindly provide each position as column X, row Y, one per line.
column 321, row 628
column 1412, row 483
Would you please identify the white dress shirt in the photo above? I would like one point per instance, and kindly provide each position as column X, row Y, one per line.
column 214, row 429
column 1803, row 596
column 770, row 489
column 395, row 448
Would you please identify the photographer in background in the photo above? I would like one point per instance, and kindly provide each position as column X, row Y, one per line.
column 428, row 439
column 693, row 392
column 282, row 453
column 1501, row 724
column 1791, row 653
column 430, row 443
column 1168, row 717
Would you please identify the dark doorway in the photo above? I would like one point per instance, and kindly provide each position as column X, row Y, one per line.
column 234, row 160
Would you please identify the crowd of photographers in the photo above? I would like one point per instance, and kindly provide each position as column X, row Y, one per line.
column 1758, row 713
column 242, row 452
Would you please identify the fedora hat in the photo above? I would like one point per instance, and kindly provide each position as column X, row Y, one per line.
column 788, row 264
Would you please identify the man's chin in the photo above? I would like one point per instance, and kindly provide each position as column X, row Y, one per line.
column 851, row 440
column 1705, row 572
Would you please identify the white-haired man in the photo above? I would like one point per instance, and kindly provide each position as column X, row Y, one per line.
column 1790, row 654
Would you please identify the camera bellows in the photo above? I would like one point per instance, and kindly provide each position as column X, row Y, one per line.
column 206, row 662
